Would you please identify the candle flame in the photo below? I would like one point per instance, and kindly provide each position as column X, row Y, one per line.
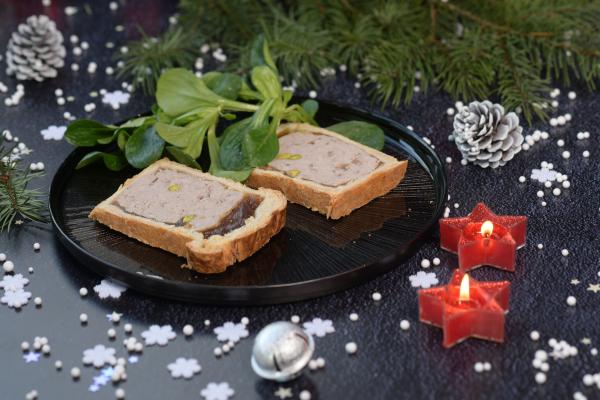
column 487, row 228
column 464, row 289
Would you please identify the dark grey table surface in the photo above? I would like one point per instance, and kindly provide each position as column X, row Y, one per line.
column 390, row 363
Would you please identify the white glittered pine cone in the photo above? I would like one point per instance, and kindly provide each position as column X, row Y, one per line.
column 485, row 135
column 35, row 50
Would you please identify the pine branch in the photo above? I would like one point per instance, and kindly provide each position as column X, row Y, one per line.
column 471, row 49
column 16, row 200
column 147, row 57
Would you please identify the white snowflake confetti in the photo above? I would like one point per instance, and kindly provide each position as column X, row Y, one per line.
column 543, row 175
column 13, row 283
column 158, row 335
column 116, row 98
column 16, row 299
column 423, row 279
column 32, row 356
column 54, row 132
column 217, row 391
column 318, row 327
column 108, row 288
column 230, row 331
column 283, row 393
column 184, row 368
column 99, row 355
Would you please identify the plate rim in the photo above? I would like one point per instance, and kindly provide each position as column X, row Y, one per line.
column 247, row 294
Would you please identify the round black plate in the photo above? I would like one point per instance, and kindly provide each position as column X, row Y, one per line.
column 310, row 257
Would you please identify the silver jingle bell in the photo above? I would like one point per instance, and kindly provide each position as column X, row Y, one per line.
column 281, row 351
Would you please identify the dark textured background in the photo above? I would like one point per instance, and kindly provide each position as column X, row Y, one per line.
column 390, row 363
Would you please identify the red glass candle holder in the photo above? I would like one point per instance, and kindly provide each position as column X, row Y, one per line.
column 484, row 238
column 466, row 308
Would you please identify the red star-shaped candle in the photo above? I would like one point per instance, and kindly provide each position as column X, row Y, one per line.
column 484, row 238
column 466, row 308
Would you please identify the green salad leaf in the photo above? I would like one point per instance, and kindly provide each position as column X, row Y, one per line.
column 362, row 132
column 144, row 147
column 87, row 133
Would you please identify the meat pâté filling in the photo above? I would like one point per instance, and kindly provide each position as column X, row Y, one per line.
column 322, row 159
column 179, row 199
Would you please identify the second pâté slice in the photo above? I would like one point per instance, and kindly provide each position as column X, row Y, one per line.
column 327, row 172
column 213, row 222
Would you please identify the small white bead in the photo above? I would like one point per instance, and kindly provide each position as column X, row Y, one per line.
column 58, row 364
column 312, row 365
column 547, row 184
column 448, row 160
column 74, row 67
column 436, row 261
column 572, row 95
column 109, row 70
column 111, row 333
column 561, row 120
column 351, row 347
column 588, row 380
column 540, row 193
column 450, row 111
column 245, row 320
column 58, row 92
column 24, row 346
column 320, row 362
column 83, row 292
column 8, row 266
column 128, row 328
column 560, row 143
column 568, row 116
column 37, row 301
column 75, row 373
column 594, row 351
column 425, row 263
column 545, row 367
column 207, row 322
column 564, row 252
column 586, row 153
column 46, row 349
column 376, row 296
column 312, row 94
column 60, row 101
column 305, row 395
column 2, row 257
column 217, row 352
column 36, row 246
column 522, row 179
column 404, row 325
column 120, row 392
column 556, row 191
column 83, row 318
column 113, row 5
column 566, row 184
column 353, row 317
column 540, row 378
column 541, row 355
column 534, row 335
column 188, row 330
column 478, row 367
column 571, row 301
column 553, row 122
column 566, row 154
column 487, row 366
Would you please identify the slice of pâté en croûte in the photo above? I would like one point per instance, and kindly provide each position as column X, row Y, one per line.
column 213, row 222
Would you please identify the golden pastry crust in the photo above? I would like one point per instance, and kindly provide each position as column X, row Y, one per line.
column 333, row 202
column 206, row 255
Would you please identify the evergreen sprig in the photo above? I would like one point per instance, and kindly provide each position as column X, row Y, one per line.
column 472, row 49
column 16, row 200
